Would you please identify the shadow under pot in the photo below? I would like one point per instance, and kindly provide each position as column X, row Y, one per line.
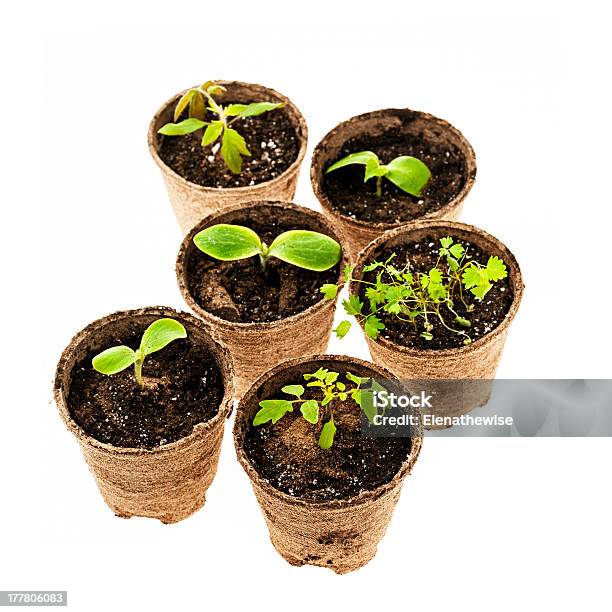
column 152, row 449
column 366, row 209
column 436, row 328
column 327, row 507
column 197, row 177
column 264, row 315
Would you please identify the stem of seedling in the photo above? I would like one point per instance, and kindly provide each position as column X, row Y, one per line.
column 264, row 256
column 378, row 186
column 138, row 371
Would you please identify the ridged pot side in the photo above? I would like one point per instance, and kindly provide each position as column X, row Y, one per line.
column 475, row 362
column 361, row 233
column 257, row 347
column 169, row 482
column 341, row 535
column 192, row 202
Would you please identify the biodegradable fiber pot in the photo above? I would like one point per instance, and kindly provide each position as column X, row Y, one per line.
column 390, row 133
column 258, row 346
column 340, row 534
column 168, row 482
column 475, row 362
column 191, row 201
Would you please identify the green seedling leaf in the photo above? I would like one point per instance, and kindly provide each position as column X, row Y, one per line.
column 233, row 147
column 463, row 322
column 496, row 269
column 320, row 374
column 272, row 410
column 182, row 104
column 363, row 157
column 212, row 132
column 374, row 168
column 197, row 105
column 409, row 174
column 187, row 126
column 372, row 326
column 228, row 242
column 353, row 305
column 457, row 251
column 331, row 377
column 427, row 335
column 296, row 390
column 446, row 241
column 366, row 402
column 114, row 359
column 310, row 411
column 329, row 291
column 251, row 110
column 347, row 273
column 306, row 249
column 159, row 334
column 358, row 380
column 342, row 329
column 326, row 439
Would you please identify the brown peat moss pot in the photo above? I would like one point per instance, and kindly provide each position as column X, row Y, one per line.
column 400, row 348
column 322, row 507
column 353, row 204
column 264, row 318
column 200, row 183
column 153, row 452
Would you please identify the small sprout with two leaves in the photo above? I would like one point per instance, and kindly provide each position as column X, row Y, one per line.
column 302, row 248
column 419, row 297
column 199, row 100
column 117, row 358
column 408, row 173
column 313, row 410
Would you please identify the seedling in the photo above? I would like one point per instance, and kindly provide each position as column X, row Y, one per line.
column 301, row 248
column 313, row 410
column 408, row 173
column 155, row 337
column 197, row 102
column 418, row 298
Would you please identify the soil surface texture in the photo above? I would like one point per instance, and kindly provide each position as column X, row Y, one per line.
column 271, row 139
column 287, row 454
column 486, row 315
column 241, row 291
column 351, row 197
column 183, row 387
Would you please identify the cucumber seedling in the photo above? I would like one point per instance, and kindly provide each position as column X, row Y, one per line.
column 314, row 410
column 408, row 173
column 302, row 248
column 197, row 102
column 117, row 358
column 420, row 297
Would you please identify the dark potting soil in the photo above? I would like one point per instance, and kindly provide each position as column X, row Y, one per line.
column 422, row 256
column 271, row 138
column 350, row 196
column 287, row 454
column 241, row 291
column 183, row 387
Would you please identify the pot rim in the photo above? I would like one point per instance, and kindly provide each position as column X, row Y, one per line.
column 445, row 210
column 200, row 429
column 181, row 272
column 480, row 235
column 333, row 504
column 300, row 126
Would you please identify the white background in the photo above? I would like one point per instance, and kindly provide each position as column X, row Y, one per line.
column 87, row 229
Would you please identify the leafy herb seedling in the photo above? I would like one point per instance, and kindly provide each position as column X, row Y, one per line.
column 408, row 173
column 302, row 248
column 313, row 410
column 155, row 337
column 199, row 100
column 418, row 297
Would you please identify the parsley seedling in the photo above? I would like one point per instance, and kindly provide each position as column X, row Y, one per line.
column 200, row 99
column 314, row 410
column 302, row 248
column 408, row 173
column 418, row 297
column 155, row 337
